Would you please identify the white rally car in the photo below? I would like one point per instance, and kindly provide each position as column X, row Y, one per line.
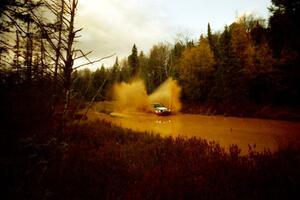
column 161, row 110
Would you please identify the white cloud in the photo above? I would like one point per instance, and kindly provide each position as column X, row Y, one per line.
column 113, row 26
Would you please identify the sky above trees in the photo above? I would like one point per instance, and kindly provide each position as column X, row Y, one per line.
column 112, row 26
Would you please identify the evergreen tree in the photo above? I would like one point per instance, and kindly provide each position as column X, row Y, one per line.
column 100, row 80
column 125, row 71
column 143, row 61
column 133, row 61
column 176, row 53
column 211, row 40
column 284, row 26
column 284, row 40
column 234, row 91
column 115, row 71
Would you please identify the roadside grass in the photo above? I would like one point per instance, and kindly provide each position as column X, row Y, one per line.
column 97, row 160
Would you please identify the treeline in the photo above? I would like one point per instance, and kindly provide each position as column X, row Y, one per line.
column 249, row 64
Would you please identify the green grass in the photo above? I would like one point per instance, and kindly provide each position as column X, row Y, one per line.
column 100, row 161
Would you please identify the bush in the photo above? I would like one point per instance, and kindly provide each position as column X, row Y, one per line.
column 100, row 161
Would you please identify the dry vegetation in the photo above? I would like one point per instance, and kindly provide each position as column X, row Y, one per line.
column 100, row 161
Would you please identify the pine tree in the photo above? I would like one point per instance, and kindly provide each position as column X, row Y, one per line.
column 234, row 91
column 212, row 40
column 133, row 61
column 143, row 69
column 115, row 71
column 209, row 37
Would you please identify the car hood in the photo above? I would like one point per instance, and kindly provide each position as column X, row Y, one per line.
column 162, row 108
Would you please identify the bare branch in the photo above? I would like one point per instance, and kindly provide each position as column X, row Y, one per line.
column 77, row 30
column 41, row 25
column 89, row 63
column 17, row 25
column 83, row 55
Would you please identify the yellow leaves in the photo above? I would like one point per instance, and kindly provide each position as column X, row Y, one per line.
column 253, row 58
column 196, row 66
column 239, row 38
column 197, row 60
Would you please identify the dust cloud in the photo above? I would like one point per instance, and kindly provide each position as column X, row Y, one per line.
column 168, row 93
column 133, row 96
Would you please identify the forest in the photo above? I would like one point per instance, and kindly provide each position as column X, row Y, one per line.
column 251, row 65
column 245, row 70
column 250, row 68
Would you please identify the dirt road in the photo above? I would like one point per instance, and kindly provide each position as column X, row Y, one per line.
column 270, row 134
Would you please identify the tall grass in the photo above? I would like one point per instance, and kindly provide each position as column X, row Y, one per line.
column 100, row 161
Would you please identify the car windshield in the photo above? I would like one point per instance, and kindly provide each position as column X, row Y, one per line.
column 156, row 105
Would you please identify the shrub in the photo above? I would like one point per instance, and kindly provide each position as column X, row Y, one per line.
column 100, row 161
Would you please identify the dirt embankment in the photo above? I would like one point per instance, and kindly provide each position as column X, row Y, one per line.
column 255, row 111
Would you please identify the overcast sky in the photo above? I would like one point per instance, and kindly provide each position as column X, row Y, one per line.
column 113, row 26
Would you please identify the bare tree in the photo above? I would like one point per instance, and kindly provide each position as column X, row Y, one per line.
column 44, row 45
column 61, row 36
